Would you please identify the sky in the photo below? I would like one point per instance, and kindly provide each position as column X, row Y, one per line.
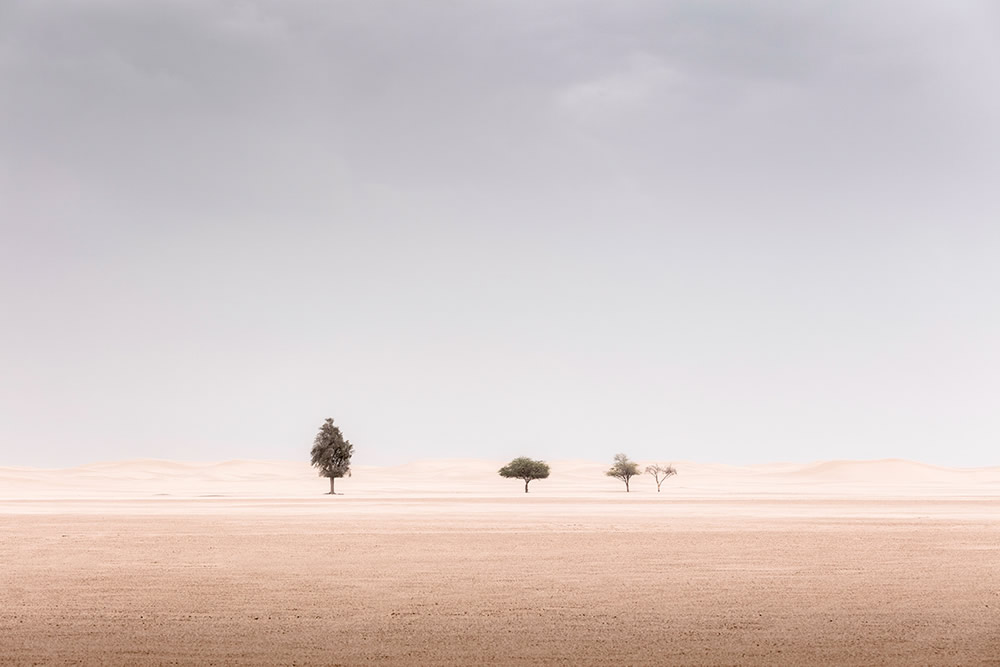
column 693, row 230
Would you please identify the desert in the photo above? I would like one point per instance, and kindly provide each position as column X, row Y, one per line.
column 503, row 246
column 443, row 562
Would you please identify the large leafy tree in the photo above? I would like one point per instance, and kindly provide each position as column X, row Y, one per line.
column 527, row 469
column 331, row 454
column 623, row 469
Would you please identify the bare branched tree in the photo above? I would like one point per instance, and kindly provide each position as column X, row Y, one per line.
column 660, row 473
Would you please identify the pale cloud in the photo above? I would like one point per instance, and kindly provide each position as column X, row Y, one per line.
column 733, row 227
column 645, row 78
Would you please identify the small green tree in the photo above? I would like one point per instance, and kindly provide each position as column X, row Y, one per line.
column 660, row 472
column 331, row 454
column 623, row 469
column 527, row 469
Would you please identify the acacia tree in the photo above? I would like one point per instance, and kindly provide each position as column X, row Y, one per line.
column 331, row 454
column 527, row 469
column 623, row 469
column 660, row 473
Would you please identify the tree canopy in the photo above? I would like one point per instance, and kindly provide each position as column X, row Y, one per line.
column 331, row 453
column 623, row 469
column 527, row 469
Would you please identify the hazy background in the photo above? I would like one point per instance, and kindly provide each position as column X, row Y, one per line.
column 722, row 231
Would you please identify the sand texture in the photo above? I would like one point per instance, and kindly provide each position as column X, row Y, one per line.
column 848, row 563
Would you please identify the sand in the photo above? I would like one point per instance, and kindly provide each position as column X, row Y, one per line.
column 154, row 562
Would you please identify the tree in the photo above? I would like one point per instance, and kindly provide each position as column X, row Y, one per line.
column 527, row 469
column 331, row 453
column 660, row 473
column 623, row 469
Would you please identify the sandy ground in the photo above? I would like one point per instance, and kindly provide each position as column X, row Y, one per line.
column 772, row 572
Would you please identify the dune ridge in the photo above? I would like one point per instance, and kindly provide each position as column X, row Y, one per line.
column 139, row 478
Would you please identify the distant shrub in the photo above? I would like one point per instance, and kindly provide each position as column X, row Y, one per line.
column 527, row 469
column 623, row 469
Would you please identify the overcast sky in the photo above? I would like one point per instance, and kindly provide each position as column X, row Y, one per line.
column 721, row 231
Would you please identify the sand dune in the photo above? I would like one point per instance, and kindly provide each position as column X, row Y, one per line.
column 443, row 562
column 895, row 470
column 146, row 478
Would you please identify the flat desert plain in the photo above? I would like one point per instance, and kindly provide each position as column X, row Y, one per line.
column 444, row 563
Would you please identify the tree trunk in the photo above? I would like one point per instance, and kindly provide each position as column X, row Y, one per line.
column 526, row 485
column 626, row 486
column 658, row 487
column 331, row 485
